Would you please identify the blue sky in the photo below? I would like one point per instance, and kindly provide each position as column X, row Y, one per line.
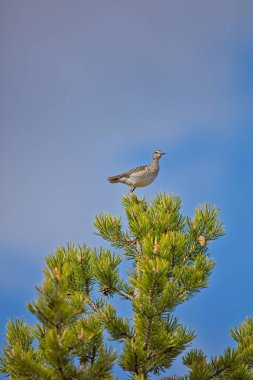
column 91, row 88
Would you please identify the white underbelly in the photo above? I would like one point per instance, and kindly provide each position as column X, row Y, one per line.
column 145, row 179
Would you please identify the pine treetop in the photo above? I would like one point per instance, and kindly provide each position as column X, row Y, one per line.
column 170, row 263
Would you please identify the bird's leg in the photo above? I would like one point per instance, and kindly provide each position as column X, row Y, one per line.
column 132, row 189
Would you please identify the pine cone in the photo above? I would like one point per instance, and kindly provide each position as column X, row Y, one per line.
column 202, row 240
column 106, row 290
column 156, row 247
column 79, row 257
column 57, row 273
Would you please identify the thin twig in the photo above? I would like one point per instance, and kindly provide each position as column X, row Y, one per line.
column 92, row 304
column 123, row 293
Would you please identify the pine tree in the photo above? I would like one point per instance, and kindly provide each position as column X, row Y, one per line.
column 234, row 364
column 169, row 263
column 67, row 343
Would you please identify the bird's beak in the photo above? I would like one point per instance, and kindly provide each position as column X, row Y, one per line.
column 163, row 153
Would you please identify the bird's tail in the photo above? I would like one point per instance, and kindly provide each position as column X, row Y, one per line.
column 113, row 179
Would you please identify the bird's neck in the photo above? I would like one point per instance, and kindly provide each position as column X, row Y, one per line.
column 155, row 163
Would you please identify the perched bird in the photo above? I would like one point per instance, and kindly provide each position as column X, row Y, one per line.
column 141, row 176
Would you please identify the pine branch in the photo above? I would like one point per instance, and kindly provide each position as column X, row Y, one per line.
column 92, row 304
column 150, row 319
column 118, row 327
column 123, row 293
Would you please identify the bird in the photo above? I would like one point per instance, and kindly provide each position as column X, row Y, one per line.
column 142, row 175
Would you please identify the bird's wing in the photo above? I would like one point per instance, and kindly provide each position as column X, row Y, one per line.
column 135, row 170
column 116, row 178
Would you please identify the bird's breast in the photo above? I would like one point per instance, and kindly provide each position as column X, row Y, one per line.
column 143, row 178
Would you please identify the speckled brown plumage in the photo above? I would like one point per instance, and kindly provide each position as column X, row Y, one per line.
column 115, row 178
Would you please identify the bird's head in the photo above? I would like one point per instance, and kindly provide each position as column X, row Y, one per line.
column 158, row 154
